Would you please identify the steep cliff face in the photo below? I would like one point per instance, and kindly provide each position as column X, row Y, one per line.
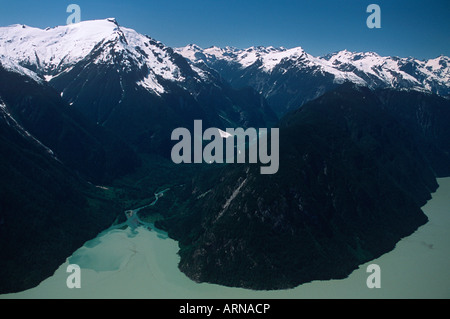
column 92, row 151
column 351, row 182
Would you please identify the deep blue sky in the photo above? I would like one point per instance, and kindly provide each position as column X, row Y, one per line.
column 416, row 28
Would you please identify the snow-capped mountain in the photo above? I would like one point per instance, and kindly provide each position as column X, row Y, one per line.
column 129, row 82
column 269, row 57
column 373, row 70
column 53, row 51
column 284, row 75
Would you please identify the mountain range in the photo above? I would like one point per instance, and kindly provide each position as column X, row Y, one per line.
column 86, row 115
column 288, row 78
column 130, row 83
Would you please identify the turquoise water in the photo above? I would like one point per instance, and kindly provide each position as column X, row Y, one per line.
column 141, row 263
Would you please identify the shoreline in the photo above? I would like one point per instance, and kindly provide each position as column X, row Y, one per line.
column 144, row 264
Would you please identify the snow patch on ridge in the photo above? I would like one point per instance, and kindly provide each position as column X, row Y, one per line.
column 11, row 66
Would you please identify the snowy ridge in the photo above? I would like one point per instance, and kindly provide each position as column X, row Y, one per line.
column 56, row 50
column 52, row 49
column 11, row 66
column 367, row 69
column 268, row 56
column 389, row 70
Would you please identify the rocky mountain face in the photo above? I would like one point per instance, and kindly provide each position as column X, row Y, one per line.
column 290, row 77
column 354, row 172
column 92, row 151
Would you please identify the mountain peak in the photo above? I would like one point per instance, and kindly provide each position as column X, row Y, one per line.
column 52, row 52
column 194, row 46
column 113, row 20
column 49, row 48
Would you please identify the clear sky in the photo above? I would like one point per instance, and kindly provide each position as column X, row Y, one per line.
column 418, row 28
